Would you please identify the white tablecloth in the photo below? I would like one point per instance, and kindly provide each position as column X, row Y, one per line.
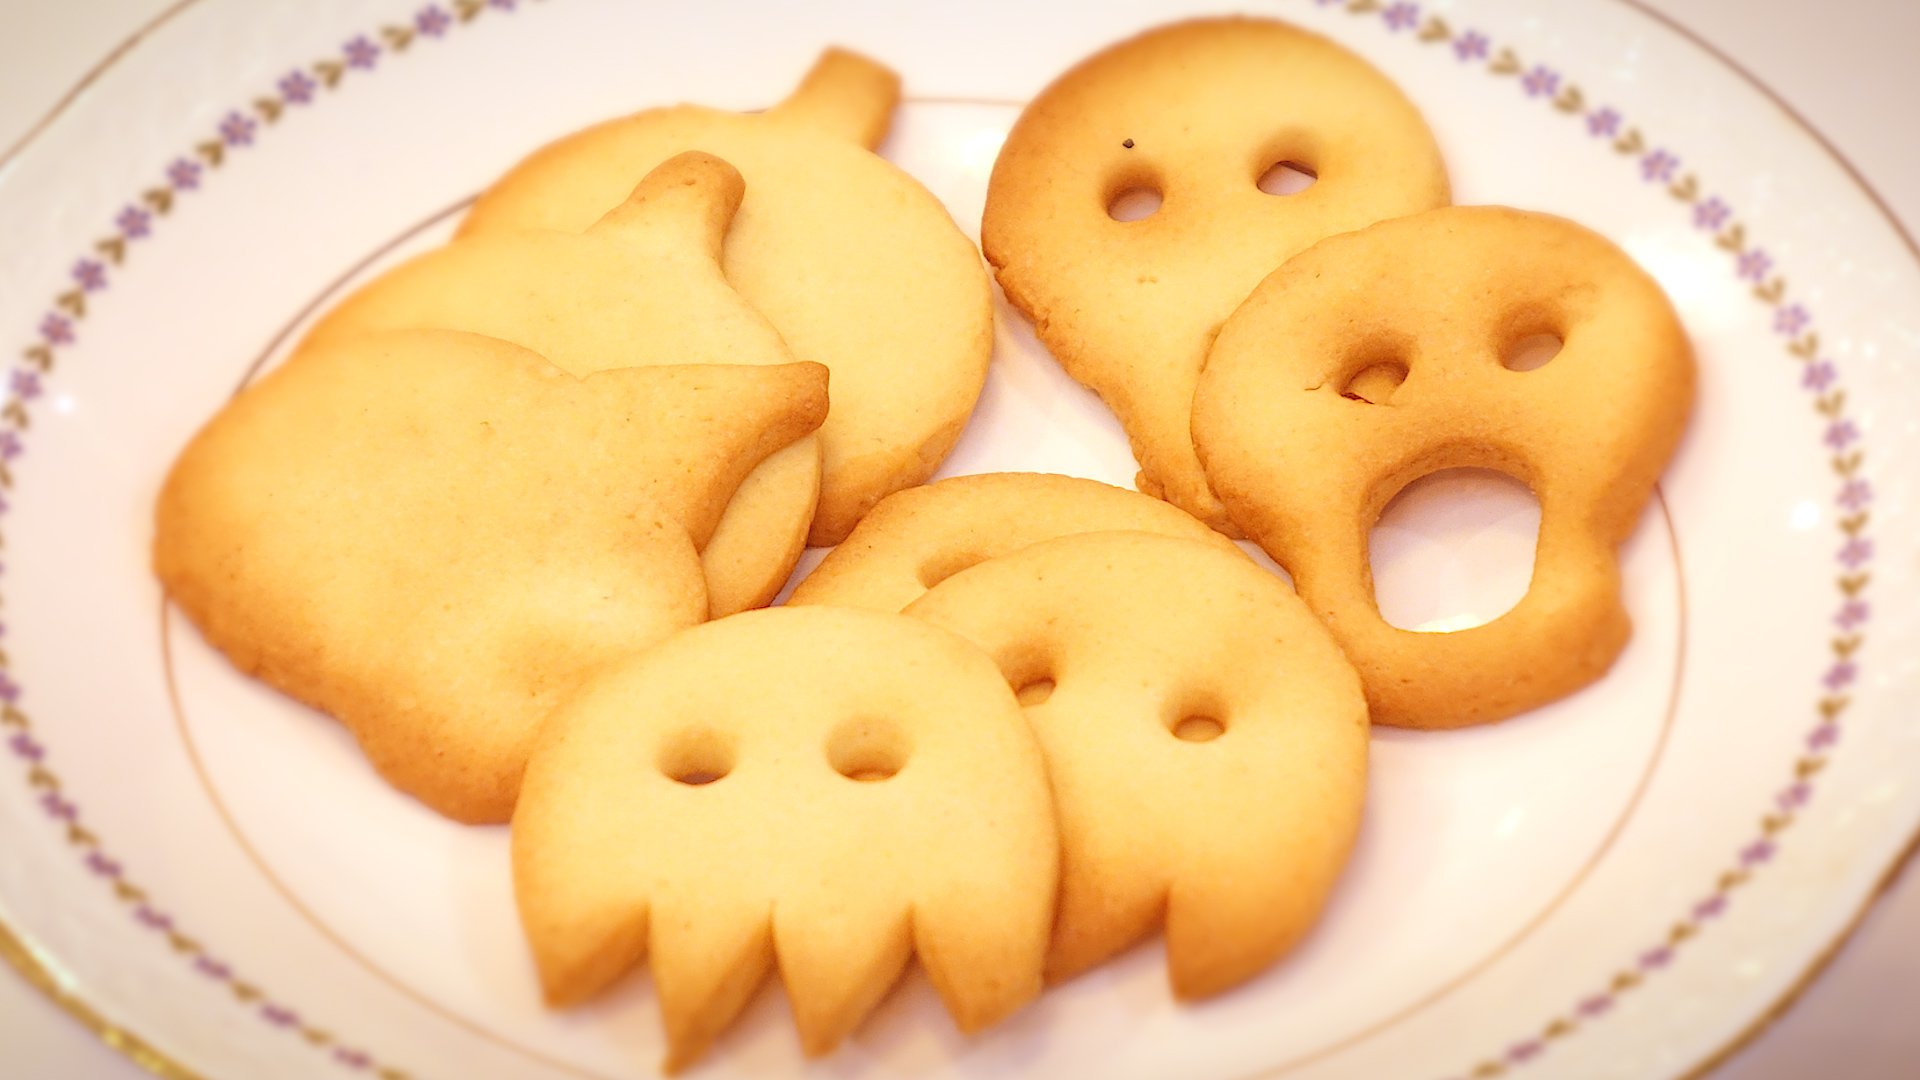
column 1847, row 65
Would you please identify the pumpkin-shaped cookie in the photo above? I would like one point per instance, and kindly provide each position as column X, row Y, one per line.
column 858, row 266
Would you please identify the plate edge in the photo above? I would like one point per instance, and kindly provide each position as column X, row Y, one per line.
column 20, row 955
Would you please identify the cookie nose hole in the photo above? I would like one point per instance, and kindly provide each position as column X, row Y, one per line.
column 696, row 757
column 946, row 564
column 1133, row 203
column 1034, row 691
column 867, row 750
column 1376, row 383
column 1454, row 550
column 1198, row 729
column 1287, row 178
column 1532, row 352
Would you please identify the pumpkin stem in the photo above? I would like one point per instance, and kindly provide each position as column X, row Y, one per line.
column 845, row 95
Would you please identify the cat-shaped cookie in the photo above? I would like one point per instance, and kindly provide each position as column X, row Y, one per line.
column 435, row 536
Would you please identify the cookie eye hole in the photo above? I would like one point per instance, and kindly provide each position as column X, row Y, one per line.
column 946, row 564
column 1375, row 383
column 1135, row 202
column 867, row 750
column 1287, row 178
column 1198, row 728
column 696, row 757
column 1034, row 691
column 1197, row 716
column 1532, row 352
column 1030, row 667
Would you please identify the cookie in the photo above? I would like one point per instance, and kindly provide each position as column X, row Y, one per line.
column 1206, row 742
column 824, row 790
column 641, row 287
column 434, row 536
column 845, row 96
column 858, row 266
column 1196, row 112
column 1378, row 357
column 919, row 537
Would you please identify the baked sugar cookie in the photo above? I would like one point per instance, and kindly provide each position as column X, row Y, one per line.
column 1376, row 358
column 434, row 536
column 1196, row 112
column 822, row 790
column 858, row 266
column 919, row 537
column 641, row 287
column 1206, row 742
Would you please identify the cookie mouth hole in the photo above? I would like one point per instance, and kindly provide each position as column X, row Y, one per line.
column 946, row 564
column 1454, row 550
column 1134, row 202
column 1034, row 691
column 1375, row 384
column 1198, row 728
column 696, row 757
column 867, row 750
column 1531, row 353
column 1287, row 178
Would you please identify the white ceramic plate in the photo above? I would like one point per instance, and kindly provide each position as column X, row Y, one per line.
column 1619, row 885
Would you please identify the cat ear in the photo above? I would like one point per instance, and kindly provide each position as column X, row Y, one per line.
column 686, row 435
column 684, row 204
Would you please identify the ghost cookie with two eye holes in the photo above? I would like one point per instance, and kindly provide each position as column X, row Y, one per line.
column 824, row 791
column 1197, row 113
column 1206, row 742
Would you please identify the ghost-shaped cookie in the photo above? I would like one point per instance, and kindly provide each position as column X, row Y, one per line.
column 1320, row 403
column 856, row 264
column 1198, row 114
column 641, row 287
column 435, row 536
column 827, row 791
column 919, row 537
column 1205, row 738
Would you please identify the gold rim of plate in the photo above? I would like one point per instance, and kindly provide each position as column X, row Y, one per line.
column 23, row 958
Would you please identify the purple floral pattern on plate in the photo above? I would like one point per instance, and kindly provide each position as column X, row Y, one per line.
column 432, row 21
column 361, row 53
column 55, row 334
column 184, row 174
column 297, row 88
column 1820, row 377
column 1751, row 263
